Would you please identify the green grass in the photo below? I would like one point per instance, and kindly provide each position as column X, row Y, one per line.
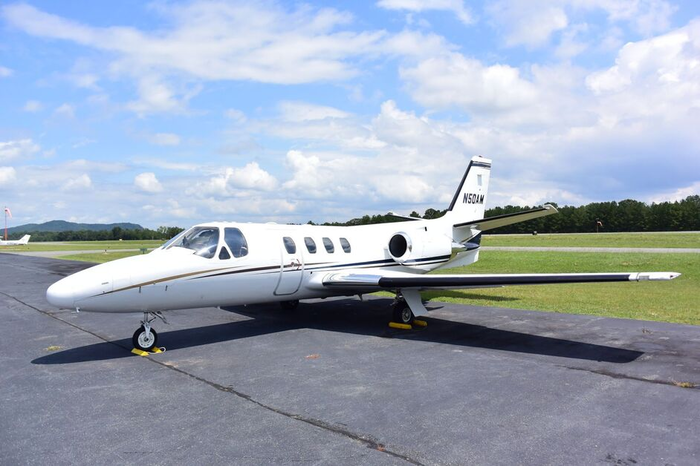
column 86, row 246
column 100, row 257
column 600, row 240
column 672, row 301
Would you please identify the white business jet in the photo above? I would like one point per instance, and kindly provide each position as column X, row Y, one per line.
column 228, row 264
column 20, row 242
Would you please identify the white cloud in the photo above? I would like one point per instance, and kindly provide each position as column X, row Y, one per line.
column 676, row 194
column 165, row 139
column 106, row 167
column 529, row 23
column 233, row 180
column 65, row 111
column 646, row 16
column 82, row 142
column 157, row 96
column 85, row 80
column 215, row 41
column 302, row 111
column 33, row 106
column 235, row 115
column 5, row 72
column 169, row 165
column 414, row 44
column 667, row 59
column 455, row 6
column 20, row 148
column 455, row 81
column 7, row 176
column 570, row 45
column 148, row 182
column 79, row 183
column 534, row 23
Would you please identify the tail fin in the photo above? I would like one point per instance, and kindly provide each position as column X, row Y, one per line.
column 25, row 239
column 470, row 199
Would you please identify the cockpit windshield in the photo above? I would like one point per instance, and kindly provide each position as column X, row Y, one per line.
column 202, row 240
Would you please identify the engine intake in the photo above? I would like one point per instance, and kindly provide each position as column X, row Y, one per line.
column 400, row 247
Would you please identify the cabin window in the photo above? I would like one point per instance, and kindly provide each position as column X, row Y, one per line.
column 345, row 244
column 236, row 242
column 202, row 240
column 328, row 245
column 289, row 245
column 310, row 245
column 223, row 255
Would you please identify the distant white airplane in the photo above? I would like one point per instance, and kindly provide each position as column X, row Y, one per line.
column 228, row 264
column 20, row 242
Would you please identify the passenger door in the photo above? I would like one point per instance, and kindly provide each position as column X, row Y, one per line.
column 291, row 268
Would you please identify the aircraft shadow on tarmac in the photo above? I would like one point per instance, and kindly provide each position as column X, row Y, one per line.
column 352, row 317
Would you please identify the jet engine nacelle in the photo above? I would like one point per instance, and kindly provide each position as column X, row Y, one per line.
column 405, row 247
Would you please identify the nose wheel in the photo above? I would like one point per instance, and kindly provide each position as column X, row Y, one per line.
column 146, row 338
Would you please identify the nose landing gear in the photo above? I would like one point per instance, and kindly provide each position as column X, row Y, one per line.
column 146, row 338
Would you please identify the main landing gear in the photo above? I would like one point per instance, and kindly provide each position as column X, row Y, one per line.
column 145, row 338
column 402, row 314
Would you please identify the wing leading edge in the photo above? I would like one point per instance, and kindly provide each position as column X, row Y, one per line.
column 396, row 281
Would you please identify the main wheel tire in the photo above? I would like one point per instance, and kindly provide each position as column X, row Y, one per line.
column 289, row 305
column 403, row 314
column 143, row 341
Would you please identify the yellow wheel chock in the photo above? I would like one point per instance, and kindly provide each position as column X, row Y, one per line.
column 155, row 350
column 419, row 323
column 401, row 326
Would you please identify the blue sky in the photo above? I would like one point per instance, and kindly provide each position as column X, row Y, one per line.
column 175, row 113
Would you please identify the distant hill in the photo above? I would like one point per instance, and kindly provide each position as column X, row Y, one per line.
column 62, row 225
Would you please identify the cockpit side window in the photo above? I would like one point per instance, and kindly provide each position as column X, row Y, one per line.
column 173, row 239
column 236, row 242
column 289, row 245
column 310, row 245
column 224, row 254
column 202, row 240
column 328, row 245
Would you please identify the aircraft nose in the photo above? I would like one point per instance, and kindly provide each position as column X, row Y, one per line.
column 61, row 294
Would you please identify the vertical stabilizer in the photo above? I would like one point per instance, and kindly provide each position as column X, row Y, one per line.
column 24, row 240
column 469, row 201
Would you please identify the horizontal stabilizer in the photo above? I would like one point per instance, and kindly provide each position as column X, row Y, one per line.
column 402, row 217
column 508, row 219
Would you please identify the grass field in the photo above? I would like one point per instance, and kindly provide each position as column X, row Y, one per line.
column 599, row 240
column 673, row 301
column 85, row 246
column 100, row 257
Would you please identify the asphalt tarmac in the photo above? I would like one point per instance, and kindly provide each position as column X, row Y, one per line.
column 330, row 383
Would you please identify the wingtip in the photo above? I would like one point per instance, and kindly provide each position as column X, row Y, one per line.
column 655, row 276
column 550, row 207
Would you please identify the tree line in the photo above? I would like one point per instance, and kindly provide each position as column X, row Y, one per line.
column 627, row 215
